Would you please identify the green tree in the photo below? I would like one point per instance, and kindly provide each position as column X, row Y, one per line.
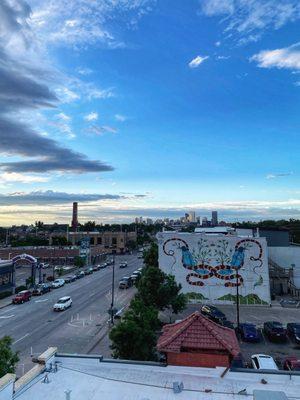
column 79, row 262
column 89, row 226
column 159, row 290
column 134, row 338
column 8, row 358
column 131, row 245
column 151, row 256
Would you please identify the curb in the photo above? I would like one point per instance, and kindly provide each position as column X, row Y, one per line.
column 97, row 339
column 5, row 305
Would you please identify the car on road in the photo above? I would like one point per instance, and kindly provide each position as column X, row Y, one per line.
column 110, row 262
column 70, row 278
column 212, row 313
column 125, row 282
column 140, row 255
column 63, row 303
column 293, row 331
column 96, row 268
column 291, row 363
column 124, row 264
column 274, row 331
column 249, row 333
column 103, row 265
column 88, row 271
column 21, row 297
column 263, row 361
column 58, row 283
column 41, row 289
column 226, row 323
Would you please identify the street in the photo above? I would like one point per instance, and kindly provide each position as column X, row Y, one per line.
column 34, row 326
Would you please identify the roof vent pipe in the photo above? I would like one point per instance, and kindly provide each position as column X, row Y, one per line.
column 68, row 394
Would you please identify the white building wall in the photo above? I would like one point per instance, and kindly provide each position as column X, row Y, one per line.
column 205, row 266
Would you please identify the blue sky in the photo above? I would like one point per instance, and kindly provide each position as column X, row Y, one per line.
column 157, row 107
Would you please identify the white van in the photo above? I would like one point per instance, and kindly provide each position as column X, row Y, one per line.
column 63, row 303
column 263, row 361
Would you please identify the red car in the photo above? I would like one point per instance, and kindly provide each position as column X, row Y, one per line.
column 291, row 364
column 21, row 297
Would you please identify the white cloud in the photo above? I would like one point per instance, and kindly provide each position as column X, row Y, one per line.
column 248, row 19
column 67, row 95
column 101, row 130
column 12, row 177
column 84, row 22
column 120, row 117
column 222, row 57
column 63, row 116
column 197, row 61
column 218, row 43
column 93, row 116
column 84, row 71
column 287, row 58
column 274, row 176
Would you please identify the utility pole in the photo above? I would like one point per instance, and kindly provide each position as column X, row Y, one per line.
column 113, row 288
column 237, row 301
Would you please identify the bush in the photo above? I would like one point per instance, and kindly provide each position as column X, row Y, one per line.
column 20, row 288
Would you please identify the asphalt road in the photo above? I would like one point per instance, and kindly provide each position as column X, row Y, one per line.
column 34, row 326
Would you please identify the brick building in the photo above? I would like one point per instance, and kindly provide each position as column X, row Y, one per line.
column 198, row 342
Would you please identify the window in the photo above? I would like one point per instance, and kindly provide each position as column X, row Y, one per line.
column 99, row 240
column 114, row 241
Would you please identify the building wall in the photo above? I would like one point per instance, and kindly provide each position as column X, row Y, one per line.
column 198, row 360
column 205, row 266
column 287, row 257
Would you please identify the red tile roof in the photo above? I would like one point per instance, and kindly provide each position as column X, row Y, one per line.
column 198, row 333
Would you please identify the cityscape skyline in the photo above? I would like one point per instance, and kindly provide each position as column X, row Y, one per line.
column 203, row 101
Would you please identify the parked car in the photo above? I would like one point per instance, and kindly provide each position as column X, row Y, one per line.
column 124, row 264
column 63, row 303
column 291, row 364
column 41, row 289
column 79, row 275
column 263, row 361
column 96, row 268
column 293, row 331
column 237, row 362
column 110, row 262
column 58, row 283
column 88, row 271
column 226, row 323
column 69, row 279
column 125, row 282
column 140, row 255
column 274, row 331
column 21, row 297
column 213, row 313
column 249, row 333
column 102, row 266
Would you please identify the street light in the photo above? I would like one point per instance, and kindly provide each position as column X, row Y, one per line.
column 112, row 288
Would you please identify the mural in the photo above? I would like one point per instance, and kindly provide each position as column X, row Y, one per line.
column 211, row 267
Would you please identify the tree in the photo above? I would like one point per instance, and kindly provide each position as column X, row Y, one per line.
column 151, row 256
column 8, row 358
column 79, row 262
column 134, row 338
column 159, row 290
column 131, row 245
column 89, row 226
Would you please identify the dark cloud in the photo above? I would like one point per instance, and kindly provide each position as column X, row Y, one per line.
column 51, row 197
column 23, row 87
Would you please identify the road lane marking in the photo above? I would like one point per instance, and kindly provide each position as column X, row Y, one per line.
column 7, row 316
column 41, row 301
column 21, row 338
column 8, row 310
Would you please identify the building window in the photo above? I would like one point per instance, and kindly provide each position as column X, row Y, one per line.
column 99, row 240
column 114, row 241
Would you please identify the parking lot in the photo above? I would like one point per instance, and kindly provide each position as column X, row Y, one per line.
column 258, row 315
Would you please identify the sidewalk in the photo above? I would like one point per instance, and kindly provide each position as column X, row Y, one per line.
column 6, row 301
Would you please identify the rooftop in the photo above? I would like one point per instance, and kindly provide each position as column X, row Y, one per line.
column 91, row 378
column 199, row 333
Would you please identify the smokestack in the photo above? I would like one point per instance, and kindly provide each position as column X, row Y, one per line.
column 75, row 217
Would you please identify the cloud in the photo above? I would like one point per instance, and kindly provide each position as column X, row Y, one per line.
column 222, row 57
column 248, row 20
column 285, row 58
column 100, row 130
column 197, row 61
column 84, row 71
column 120, row 117
column 83, row 22
column 274, row 176
column 53, row 197
column 93, row 116
column 63, row 116
column 11, row 177
column 26, row 86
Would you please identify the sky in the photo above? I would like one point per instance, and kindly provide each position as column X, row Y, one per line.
column 149, row 107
